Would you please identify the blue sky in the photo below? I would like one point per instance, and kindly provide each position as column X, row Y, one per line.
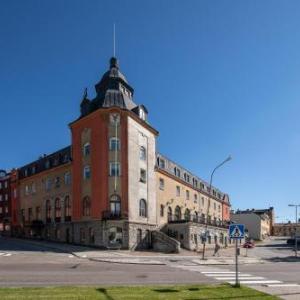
column 218, row 78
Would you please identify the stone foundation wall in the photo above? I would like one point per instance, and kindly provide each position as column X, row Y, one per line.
column 163, row 243
column 190, row 235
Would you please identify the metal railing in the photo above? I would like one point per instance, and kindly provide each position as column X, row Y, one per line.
column 196, row 219
column 113, row 215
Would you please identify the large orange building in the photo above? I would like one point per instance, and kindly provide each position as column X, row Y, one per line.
column 111, row 188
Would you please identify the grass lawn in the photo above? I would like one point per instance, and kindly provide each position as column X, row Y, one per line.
column 188, row 292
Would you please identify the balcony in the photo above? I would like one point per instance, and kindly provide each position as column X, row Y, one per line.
column 175, row 219
column 113, row 215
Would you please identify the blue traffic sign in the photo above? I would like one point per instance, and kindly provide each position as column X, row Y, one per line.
column 237, row 231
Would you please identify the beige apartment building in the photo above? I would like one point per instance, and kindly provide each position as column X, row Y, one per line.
column 257, row 222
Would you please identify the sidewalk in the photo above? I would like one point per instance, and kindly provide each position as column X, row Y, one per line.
column 147, row 257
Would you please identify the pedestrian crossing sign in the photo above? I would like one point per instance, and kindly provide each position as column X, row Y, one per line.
column 237, row 231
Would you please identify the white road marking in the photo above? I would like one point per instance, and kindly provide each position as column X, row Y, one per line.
column 282, row 285
column 242, row 279
column 71, row 256
column 225, row 275
column 2, row 253
column 215, row 272
column 255, row 281
column 7, row 254
column 84, row 256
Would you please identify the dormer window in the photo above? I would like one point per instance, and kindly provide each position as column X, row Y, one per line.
column 142, row 114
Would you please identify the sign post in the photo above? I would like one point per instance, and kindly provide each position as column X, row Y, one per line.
column 236, row 232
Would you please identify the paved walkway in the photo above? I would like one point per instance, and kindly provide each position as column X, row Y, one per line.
column 147, row 257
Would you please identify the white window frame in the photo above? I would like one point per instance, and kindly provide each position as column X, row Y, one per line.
column 86, row 172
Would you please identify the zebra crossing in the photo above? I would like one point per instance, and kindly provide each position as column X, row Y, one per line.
column 228, row 276
column 5, row 254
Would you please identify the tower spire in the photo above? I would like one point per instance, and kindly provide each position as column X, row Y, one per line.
column 114, row 39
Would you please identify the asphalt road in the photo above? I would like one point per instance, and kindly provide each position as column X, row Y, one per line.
column 25, row 264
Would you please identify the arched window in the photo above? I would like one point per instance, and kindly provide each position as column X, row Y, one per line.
column 86, row 206
column 67, row 208
column 177, row 213
column 142, row 153
column 114, row 144
column 187, row 215
column 143, row 208
column 48, row 210
column 115, row 205
column 57, row 209
column 169, row 213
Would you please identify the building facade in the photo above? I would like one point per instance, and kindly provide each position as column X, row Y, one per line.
column 258, row 223
column 111, row 188
column 286, row 229
column 5, row 202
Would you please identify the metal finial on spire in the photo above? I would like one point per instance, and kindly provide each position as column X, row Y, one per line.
column 114, row 38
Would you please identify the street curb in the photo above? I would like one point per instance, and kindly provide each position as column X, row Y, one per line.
column 127, row 263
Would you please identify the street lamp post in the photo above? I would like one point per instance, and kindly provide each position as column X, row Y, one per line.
column 296, row 243
column 208, row 204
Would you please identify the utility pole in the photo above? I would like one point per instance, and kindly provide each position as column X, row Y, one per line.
column 296, row 223
column 208, row 203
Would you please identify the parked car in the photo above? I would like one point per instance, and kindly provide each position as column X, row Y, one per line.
column 248, row 245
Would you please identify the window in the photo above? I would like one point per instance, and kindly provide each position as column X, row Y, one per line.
column 143, row 175
column 187, row 215
column 142, row 153
column 1, row 210
column 5, row 184
column 195, row 198
column 86, row 149
column 26, row 190
column 169, row 213
column 187, row 195
column 33, row 188
column 67, row 207
column 87, row 172
column 6, row 197
column 48, row 210
column 114, row 144
column 29, row 214
column 1, row 198
column 47, row 164
column 23, row 215
column 48, row 184
column 142, row 114
column 195, row 182
column 91, row 236
column 82, row 235
column 215, row 206
column 25, row 172
column 177, row 172
column 115, row 205
column 86, row 206
column 38, row 213
column 202, row 201
column 57, row 182
column 114, row 169
column 219, row 208
column 177, row 213
column 67, row 178
column 143, row 208
column 161, row 184
column 202, row 186
column 177, row 190
column 15, row 193
column 161, row 163
column 162, row 210
column 186, row 177
column 57, row 209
